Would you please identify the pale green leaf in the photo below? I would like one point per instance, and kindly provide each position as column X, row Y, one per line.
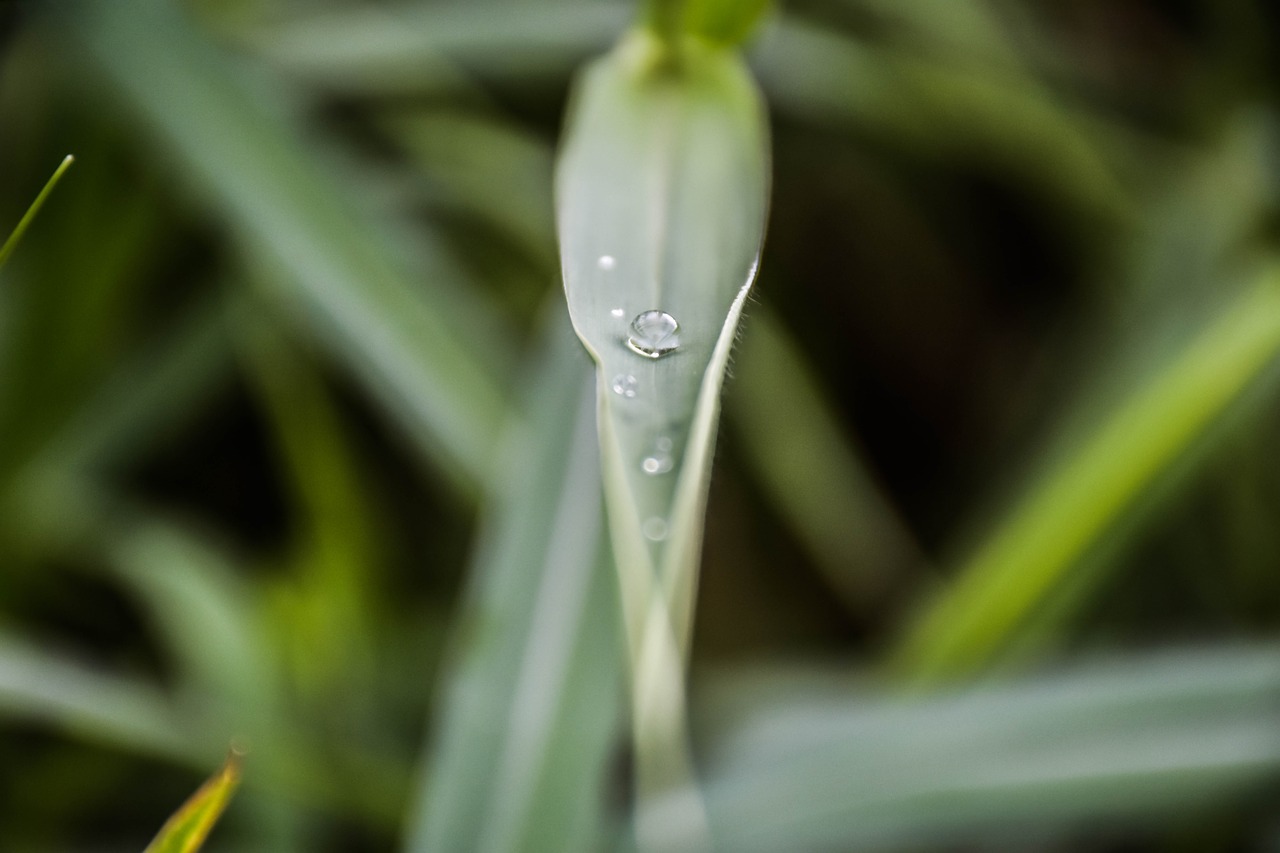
column 38, row 684
column 410, row 47
column 530, row 704
column 1120, row 745
column 414, row 344
column 661, row 193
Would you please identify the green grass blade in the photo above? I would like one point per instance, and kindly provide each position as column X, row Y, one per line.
column 414, row 345
column 23, row 224
column 187, row 830
column 967, row 30
column 661, row 190
column 931, row 108
column 530, row 705
column 1123, row 745
column 375, row 50
column 38, row 684
column 1089, row 493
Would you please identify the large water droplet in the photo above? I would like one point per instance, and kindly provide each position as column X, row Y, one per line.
column 625, row 385
column 658, row 463
column 654, row 528
column 607, row 262
column 654, row 334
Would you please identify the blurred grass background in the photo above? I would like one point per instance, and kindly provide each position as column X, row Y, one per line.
column 288, row 416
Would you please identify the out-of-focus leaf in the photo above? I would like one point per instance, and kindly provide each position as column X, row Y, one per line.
column 141, row 403
column 488, row 167
column 969, row 30
column 206, row 613
column 187, row 829
column 402, row 49
column 930, row 107
column 531, row 702
column 1121, row 745
column 16, row 237
column 425, row 351
column 36, row 683
column 324, row 625
column 1090, row 491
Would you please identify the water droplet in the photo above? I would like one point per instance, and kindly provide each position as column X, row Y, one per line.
column 617, row 312
column 653, row 334
column 663, row 443
column 654, row 529
column 607, row 262
column 658, row 463
column 625, row 385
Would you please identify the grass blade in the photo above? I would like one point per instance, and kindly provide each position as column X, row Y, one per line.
column 933, row 108
column 661, row 191
column 27, row 218
column 36, row 683
column 1118, row 745
column 1090, row 492
column 412, row 345
column 378, row 50
column 529, row 709
column 187, row 830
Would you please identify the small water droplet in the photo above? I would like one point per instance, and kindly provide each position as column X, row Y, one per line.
column 654, row 334
column 654, row 529
column 663, row 443
column 625, row 385
column 607, row 262
column 617, row 312
column 658, row 463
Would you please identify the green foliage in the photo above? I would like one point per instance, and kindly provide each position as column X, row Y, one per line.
column 297, row 446
column 720, row 22
column 661, row 192
column 16, row 237
column 190, row 825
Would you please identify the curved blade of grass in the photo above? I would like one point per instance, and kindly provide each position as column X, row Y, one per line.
column 966, row 29
column 1092, row 490
column 661, row 196
column 413, row 346
column 36, row 683
column 1130, row 743
column 27, row 218
column 530, row 707
column 187, row 830
column 930, row 107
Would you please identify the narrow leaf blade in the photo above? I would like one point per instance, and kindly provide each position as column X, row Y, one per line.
column 1081, row 500
column 16, row 237
column 662, row 190
column 529, row 708
column 661, row 197
column 187, row 830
